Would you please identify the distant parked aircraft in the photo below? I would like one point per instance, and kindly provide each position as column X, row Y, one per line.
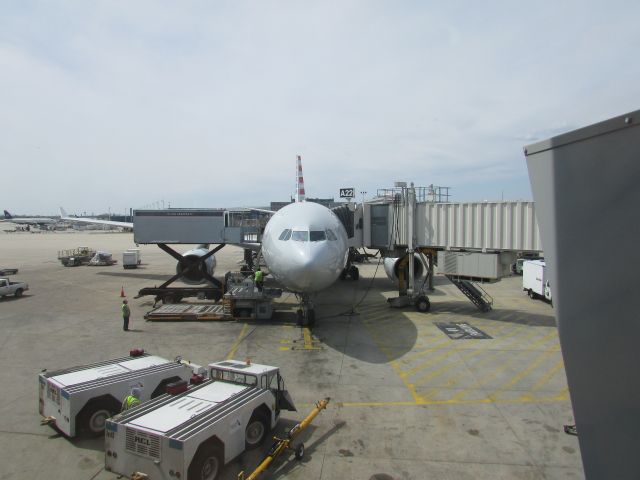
column 40, row 221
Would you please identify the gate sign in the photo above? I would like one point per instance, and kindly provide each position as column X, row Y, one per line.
column 347, row 192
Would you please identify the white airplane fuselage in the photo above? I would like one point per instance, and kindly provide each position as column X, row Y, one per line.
column 28, row 220
column 305, row 247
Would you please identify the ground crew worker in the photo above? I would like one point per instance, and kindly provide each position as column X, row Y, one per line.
column 126, row 311
column 131, row 400
column 257, row 278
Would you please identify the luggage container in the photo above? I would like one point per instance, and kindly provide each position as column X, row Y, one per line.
column 131, row 258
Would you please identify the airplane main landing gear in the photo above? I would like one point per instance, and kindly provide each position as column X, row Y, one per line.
column 351, row 271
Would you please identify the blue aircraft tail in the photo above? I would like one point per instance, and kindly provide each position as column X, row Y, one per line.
column 7, row 215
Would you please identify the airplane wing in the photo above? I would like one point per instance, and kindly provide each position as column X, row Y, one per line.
column 94, row 221
column 270, row 212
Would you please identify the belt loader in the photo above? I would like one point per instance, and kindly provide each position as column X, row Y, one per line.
column 79, row 400
column 193, row 434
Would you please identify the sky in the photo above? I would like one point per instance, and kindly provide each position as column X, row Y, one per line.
column 111, row 105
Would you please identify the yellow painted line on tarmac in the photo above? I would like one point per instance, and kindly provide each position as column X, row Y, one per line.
column 545, row 379
column 444, row 368
column 532, row 366
column 503, row 366
column 495, row 331
column 434, row 361
column 527, row 395
column 394, row 364
column 552, row 334
column 306, row 333
column 233, row 350
column 436, row 346
column 465, row 357
column 374, row 328
column 308, row 342
column 486, row 400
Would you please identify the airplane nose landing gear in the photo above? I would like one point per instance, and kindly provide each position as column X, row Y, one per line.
column 306, row 314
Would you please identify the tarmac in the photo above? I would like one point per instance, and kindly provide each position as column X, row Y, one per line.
column 407, row 401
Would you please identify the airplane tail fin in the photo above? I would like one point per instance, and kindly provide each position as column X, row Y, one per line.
column 300, row 196
column 63, row 212
column 7, row 215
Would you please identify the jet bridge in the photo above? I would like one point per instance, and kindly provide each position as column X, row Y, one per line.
column 196, row 226
column 476, row 226
column 475, row 242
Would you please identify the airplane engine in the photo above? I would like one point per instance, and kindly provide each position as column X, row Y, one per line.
column 391, row 266
column 196, row 276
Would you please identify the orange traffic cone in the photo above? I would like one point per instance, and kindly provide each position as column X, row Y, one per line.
column 122, row 292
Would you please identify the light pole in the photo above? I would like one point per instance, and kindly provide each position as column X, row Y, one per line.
column 363, row 193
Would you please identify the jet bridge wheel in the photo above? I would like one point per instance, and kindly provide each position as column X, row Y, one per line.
column 351, row 271
column 422, row 304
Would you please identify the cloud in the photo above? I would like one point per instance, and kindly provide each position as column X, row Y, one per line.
column 207, row 104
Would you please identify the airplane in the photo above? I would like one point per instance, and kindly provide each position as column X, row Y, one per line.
column 304, row 246
column 39, row 221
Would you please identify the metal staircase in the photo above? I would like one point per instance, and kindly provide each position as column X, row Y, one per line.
column 473, row 292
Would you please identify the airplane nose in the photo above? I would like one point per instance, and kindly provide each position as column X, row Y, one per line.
column 311, row 270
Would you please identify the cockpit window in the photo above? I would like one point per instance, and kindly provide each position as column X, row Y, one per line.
column 300, row 235
column 285, row 235
column 317, row 235
column 330, row 235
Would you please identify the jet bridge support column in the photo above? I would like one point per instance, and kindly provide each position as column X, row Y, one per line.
column 411, row 201
column 409, row 295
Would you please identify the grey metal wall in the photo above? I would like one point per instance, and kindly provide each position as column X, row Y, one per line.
column 586, row 185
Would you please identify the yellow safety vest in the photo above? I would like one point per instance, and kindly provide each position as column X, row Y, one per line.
column 129, row 402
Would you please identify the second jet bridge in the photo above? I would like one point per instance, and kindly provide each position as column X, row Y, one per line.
column 478, row 226
column 475, row 242
column 196, row 226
